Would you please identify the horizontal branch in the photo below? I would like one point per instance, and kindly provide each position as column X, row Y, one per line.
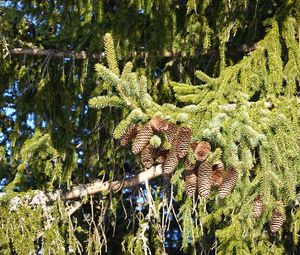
column 41, row 198
column 84, row 54
column 100, row 186
column 56, row 53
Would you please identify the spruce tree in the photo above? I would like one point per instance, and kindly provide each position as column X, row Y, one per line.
column 149, row 127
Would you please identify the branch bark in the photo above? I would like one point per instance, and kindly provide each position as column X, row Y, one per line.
column 56, row 53
column 41, row 198
column 79, row 54
column 84, row 54
column 100, row 186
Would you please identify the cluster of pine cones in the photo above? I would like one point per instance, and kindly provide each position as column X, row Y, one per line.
column 200, row 175
column 278, row 214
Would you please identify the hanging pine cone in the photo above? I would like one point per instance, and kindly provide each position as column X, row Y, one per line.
column 217, row 173
column 171, row 133
column 129, row 134
column 188, row 165
column 161, row 156
column 147, row 156
column 184, row 135
column 193, row 145
column 228, row 182
column 190, row 183
column 204, row 179
column 142, row 138
column 217, row 178
column 258, row 207
column 278, row 217
column 202, row 151
column 158, row 124
column 218, row 166
column 171, row 163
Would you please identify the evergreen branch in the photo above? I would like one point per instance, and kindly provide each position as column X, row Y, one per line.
column 230, row 107
column 105, row 101
column 143, row 86
column 205, row 78
column 107, row 74
column 134, row 116
column 110, row 53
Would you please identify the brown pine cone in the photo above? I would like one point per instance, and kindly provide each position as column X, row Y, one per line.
column 217, row 178
column 129, row 134
column 184, row 135
column 188, row 165
column 278, row 217
column 142, row 138
column 202, row 151
column 171, row 163
column 171, row 133
column 218, row 166
column 161, row 156
column 217, row 173
column 190, row 183
column 228, row 182
column 159, row 124
column 147, row 156
column 193, row 145
column 258, row 207
column 204, row 179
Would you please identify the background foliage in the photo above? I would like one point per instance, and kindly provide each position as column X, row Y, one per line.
column 189, row 60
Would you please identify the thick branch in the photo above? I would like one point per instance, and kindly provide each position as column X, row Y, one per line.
column 56, row 53
column 78, row 54
column 99, row 56
column 41, row 198
column 99, row 186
